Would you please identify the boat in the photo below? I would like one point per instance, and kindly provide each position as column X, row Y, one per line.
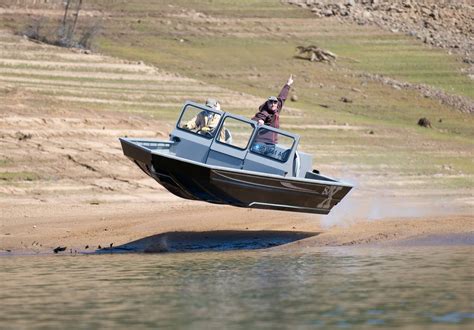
column 235, row 162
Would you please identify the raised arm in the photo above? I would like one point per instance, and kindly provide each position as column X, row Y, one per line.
column 285, row 90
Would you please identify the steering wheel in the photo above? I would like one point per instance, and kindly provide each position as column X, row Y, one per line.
column 205, row 133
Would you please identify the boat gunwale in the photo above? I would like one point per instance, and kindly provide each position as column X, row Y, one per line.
column 220, row 168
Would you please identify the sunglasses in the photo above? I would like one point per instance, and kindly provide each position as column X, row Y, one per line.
column 272, row 102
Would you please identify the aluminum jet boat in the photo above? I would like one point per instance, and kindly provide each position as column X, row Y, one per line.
column 235, row 162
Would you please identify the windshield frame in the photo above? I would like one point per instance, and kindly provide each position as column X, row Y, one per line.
column 201, row 108
column 295, row 139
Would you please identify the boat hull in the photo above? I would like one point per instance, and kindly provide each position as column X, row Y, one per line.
column 196, row 181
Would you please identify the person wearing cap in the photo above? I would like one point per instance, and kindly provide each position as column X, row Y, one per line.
column 205, row 121
column 269, row 112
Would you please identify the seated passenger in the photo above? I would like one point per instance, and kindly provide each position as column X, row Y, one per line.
column 206, row 122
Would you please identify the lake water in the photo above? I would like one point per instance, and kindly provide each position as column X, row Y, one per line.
column 319, row 288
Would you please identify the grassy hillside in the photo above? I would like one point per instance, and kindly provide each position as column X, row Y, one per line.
column 249, row 46
column 243, row 51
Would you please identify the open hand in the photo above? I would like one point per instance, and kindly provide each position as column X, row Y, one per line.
column 290, row 80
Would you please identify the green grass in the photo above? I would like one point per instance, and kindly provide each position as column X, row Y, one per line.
column 403, row 58
column 5, row 161
column 219, row 8
column 66, row 68
column 360, row 48
column 216, row 64
column 18, row 176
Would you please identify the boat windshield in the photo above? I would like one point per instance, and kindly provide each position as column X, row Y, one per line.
column 272, row 144
column 199, row 121
column 236, row 133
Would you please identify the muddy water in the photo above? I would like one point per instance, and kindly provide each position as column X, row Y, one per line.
column 338, row 287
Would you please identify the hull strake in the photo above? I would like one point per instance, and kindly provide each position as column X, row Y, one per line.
column 192, row 181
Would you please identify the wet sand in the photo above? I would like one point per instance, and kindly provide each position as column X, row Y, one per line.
column 178, row 225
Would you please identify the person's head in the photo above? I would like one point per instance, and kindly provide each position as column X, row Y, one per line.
column 272, row 103
column 213, row 103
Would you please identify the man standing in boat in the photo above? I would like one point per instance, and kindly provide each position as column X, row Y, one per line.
column 269, row 114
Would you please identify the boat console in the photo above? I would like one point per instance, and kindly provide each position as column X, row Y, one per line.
column 237, row 142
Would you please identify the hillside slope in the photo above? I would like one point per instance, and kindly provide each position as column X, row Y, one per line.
column 63, row 110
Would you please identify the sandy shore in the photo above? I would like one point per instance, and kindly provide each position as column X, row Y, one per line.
column 176, row 225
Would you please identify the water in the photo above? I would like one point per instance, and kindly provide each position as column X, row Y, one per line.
column 336, row 287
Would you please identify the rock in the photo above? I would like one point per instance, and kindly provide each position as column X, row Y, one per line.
column 366, row 14
column 327, row 12
column 435, row 14
column 22, row 136
column 424, row 122
column 425, row 11
column 345, row 100
column 294, row 98
column 350, row 3
column 60, row 249
column 316, row 54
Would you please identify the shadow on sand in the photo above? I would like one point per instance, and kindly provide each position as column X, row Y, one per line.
column 183, row 241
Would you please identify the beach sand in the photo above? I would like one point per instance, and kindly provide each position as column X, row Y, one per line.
column 137, row 226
